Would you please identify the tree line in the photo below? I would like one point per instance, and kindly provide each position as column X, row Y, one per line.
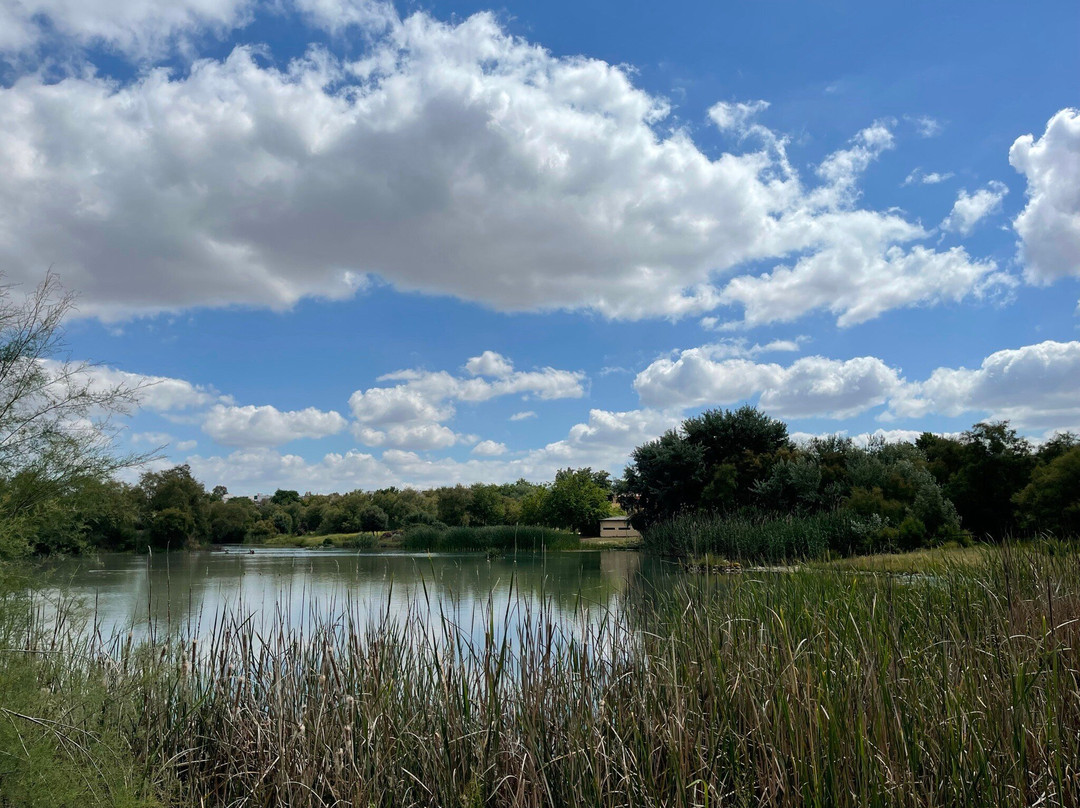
column 742, row 466
column 173, row 509
column 987, row 482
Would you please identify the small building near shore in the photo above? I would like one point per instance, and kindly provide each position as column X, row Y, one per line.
column 617, row 527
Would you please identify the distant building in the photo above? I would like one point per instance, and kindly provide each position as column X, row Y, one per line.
column 259, row 499
column 617, row 527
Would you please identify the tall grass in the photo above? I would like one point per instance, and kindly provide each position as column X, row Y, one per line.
column 811, row 688
column 759, row 537
column 526, row 538
column 63, row 738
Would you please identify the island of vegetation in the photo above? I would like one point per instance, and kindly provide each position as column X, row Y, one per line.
column 952, row 678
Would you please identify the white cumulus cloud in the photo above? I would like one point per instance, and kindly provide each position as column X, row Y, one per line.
column 489, row 448
column 155, row 393
column 1032, row 386
column 252, row 426
column 735, row 115
column 859, row 277
column 1049, row 226
column 137, row 27
column 451, row 158
column 811, row 386
column 603, row 441
column 490, row 363
column 970, row 209
column 410, row 414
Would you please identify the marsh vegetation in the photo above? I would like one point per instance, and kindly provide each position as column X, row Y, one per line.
column 818, row 686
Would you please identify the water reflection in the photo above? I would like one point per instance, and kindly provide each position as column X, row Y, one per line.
column 186, row 592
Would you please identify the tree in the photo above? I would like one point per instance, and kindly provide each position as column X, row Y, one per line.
column 712, row 461
column 991, row 466
column 230, row 521
column 176, row 489
column 577, row 500
column 486, row 506
column 56, row 416
column 453, row 505
column 284, row 496
column 373, row 519
column 171, row 527
column 1051, row 501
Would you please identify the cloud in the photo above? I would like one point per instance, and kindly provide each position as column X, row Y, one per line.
column 735, row 116
column 144, row 29
column 970, row 209
column 811, row 386
column 1032, row 386
column 159, row 439
column 604, row 441
column 740, row 347
column 864, row 439
column 411, row 414
column 452, row 158
column 932, row 178
column 154, row 393
column 489, row 448
column 490, row 363
column 337, row 15
column 842, row 168
column 521, row 416
column 138, row 28
column 859, row 277
column 152, row 438
column 405, row 404
column 423, row 437
column 927, row 126
column 1049, row 226
column 266, row 425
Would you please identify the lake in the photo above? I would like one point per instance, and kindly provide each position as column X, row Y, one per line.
column 184, row 593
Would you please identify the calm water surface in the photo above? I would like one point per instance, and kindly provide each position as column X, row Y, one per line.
column 186, row 592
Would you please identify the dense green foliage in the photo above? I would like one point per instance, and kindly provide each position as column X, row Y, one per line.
column 172, row 509
column 815, row 688
column 711, row 462
column 730, row 483
column 981, row 473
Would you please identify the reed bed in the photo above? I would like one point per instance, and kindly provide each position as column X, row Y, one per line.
column 762, row 537
column 815, row 687
column 504, row 538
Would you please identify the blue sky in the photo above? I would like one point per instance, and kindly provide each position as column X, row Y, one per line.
column 349, row 244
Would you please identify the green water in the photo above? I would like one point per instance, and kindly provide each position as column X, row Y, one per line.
column 187, row 592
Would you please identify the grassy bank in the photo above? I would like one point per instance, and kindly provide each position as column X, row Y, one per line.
column 810, row 688
column 929, row 560
column 428, row 538
column 314, row 541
